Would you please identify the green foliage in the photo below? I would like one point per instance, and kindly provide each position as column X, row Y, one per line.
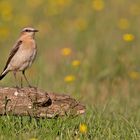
column 102, row 123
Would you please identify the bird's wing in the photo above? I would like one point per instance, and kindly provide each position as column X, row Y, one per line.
column 13, row 52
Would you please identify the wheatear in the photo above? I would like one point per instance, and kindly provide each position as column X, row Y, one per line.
column 22, row 54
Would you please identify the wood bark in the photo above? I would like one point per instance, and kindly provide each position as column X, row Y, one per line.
column 37, row 103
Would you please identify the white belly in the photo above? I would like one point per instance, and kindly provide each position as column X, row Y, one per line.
column 22, row 59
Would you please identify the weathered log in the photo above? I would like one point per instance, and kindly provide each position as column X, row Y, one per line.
column 37, row 103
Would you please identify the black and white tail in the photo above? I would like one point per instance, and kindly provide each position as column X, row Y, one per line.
column 3, row 74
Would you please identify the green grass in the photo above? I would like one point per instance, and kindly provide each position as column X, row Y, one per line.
column 102, row 123
column 107, row 80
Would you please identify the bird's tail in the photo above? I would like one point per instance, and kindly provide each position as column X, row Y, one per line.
column 3, row 74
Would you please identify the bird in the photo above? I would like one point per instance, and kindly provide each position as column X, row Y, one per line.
column 22, row 54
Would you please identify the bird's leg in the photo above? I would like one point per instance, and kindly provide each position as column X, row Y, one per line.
column 23, row 72
column 14, row 72
column 21, row 84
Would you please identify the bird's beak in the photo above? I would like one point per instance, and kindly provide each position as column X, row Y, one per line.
column 36, row 30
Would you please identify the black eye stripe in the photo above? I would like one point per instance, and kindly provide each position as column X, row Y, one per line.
column 27, row 30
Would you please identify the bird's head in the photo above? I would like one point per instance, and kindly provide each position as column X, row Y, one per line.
column 29, row 31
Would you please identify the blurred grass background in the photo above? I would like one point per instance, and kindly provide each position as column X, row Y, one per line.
column 89, row 49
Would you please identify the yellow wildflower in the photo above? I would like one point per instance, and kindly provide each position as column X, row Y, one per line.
column 66, row 51
column 123, row 23
column 69, row 78
column 98, row 5
column 75, row 63
column 83, row 128
column 128, row 37
column 134, row 75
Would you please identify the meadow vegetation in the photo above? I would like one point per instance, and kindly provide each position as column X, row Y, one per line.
column 89, row 49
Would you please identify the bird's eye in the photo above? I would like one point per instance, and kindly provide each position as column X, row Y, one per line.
column 27, row 30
